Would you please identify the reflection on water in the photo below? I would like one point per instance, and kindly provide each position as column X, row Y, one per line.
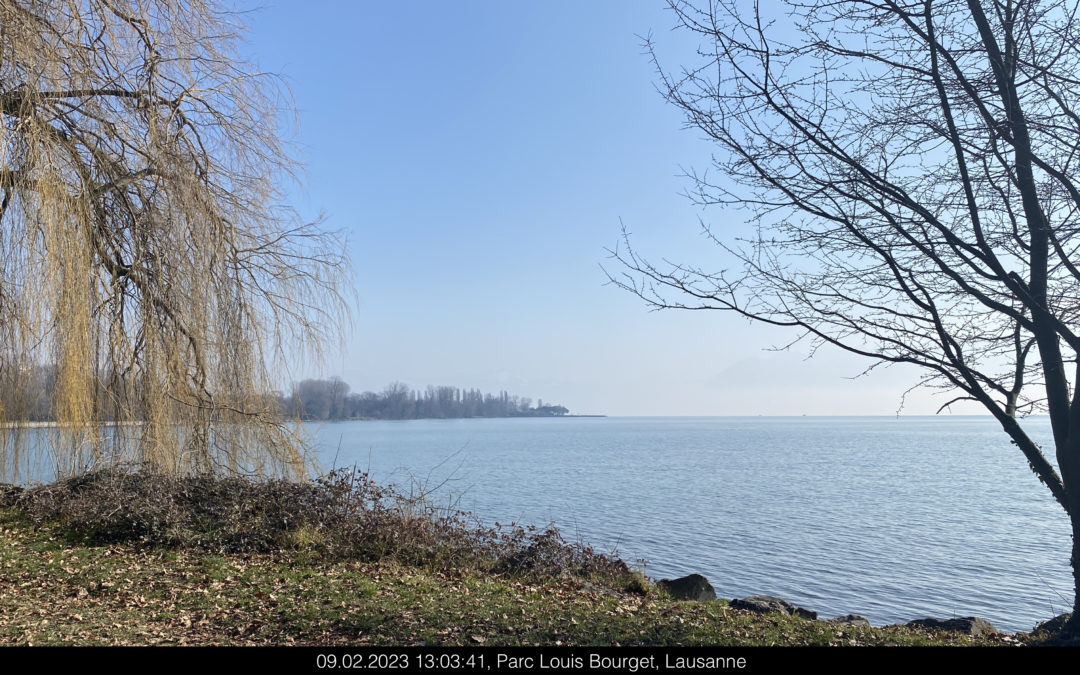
column 43, row 452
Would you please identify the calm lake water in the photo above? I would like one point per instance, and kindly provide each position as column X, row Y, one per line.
column 891, row 518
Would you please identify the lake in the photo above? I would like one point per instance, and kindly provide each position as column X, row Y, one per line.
column 891, row 518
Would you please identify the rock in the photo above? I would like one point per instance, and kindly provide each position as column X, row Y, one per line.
column 764, row 604
column 1057, row 632
column 805, row 613
column 1054, row 625
column 692, row 587
column 971, row 625
column 849, row 620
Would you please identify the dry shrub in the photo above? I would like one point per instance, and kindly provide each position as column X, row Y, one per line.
column 344, row 515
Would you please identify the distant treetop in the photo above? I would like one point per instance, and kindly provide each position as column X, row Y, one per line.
column 315, row 399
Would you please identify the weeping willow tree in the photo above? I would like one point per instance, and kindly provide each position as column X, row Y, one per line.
column 147, row 264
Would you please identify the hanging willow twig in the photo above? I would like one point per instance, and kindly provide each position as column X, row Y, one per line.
column 147, row 267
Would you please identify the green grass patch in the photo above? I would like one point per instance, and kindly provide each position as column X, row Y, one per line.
column 123, row 559
column 56, row 592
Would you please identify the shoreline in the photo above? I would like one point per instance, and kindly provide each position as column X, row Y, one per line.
column 520, row 573
column 132, row 595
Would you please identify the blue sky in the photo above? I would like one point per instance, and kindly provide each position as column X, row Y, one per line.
column 480, row 156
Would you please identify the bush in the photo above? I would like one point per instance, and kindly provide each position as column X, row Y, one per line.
column 343, row 515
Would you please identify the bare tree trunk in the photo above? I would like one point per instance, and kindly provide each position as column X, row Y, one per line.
column 1067, row 459
column 962, row 263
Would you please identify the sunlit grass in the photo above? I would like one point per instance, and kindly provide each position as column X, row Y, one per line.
column 56, row 590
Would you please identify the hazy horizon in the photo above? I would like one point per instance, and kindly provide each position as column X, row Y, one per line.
column 480, row 157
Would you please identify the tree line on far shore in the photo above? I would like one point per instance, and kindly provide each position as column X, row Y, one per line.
column 30, row 396
column 331, row 400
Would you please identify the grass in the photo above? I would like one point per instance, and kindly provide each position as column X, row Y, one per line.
column 65, row 584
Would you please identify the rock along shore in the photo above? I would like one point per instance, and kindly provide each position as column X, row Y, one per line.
column 696, row 588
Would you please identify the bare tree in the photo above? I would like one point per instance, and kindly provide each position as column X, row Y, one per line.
column 911, row 170
column 144, row 249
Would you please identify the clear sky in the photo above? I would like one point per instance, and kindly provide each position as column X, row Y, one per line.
column 480, row 156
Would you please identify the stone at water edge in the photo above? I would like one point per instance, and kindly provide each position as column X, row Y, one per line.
column 1055, row 625
column 971, row 625
column 693, row 587
column 765, row 604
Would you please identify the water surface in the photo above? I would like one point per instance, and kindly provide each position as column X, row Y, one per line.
column 891, row 518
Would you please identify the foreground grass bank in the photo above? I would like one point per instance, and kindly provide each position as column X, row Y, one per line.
column 68, row 579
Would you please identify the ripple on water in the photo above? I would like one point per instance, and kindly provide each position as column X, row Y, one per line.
column 894, row 519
